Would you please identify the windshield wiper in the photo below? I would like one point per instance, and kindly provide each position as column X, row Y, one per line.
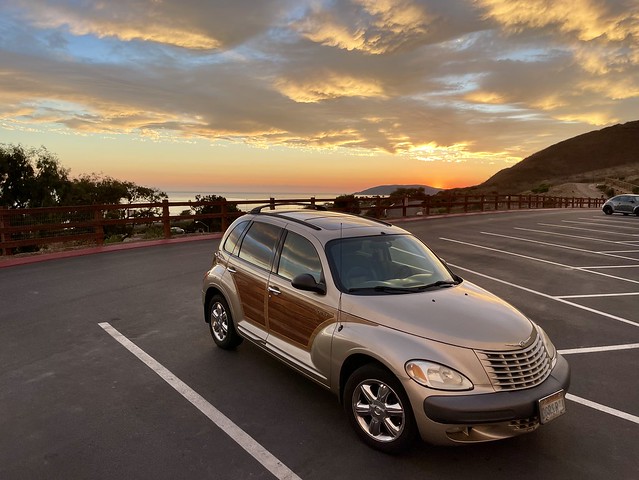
column 418, row 288
column 438, row 283
column 382, row 288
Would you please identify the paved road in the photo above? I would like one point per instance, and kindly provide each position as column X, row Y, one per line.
column 75, row 403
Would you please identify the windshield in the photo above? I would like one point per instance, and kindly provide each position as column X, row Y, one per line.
column 386, row 264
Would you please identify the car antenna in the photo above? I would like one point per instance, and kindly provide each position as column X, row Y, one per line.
column 341, row 256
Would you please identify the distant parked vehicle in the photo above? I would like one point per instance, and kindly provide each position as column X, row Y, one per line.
column 625, row 204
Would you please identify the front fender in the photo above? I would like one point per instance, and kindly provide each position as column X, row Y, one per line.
column 393, row 348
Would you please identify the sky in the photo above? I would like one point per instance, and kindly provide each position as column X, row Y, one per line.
column 311, row 95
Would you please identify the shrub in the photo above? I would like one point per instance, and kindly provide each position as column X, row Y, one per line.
column 347, row 204
column 542, row 188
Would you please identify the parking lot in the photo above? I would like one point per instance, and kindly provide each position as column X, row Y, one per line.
column 107, row 369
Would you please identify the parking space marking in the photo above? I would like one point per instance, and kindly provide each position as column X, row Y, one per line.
column 567, row 247
column 608, row 266
column 551, row 297
column 257, row 451
column 621, row 227
column 599, row 295
column 528, row 257
column 587, row 229
column 603, row 408
column 608, row 348
column 592, row 239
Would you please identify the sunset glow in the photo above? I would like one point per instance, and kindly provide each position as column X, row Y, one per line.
column 311, row 95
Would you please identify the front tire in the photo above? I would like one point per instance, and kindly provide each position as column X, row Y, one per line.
column 607, row 210
column 221, row 324
column 379, row 410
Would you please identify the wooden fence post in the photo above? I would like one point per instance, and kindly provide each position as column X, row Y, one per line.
column 99, row 227
column 166, row 221
column 225, row 221
column 3, row 238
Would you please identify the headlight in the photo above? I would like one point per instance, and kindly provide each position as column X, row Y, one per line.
column 550, row 348
column 437, row 376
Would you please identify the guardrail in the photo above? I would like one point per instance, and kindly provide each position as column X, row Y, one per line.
column 30, row 229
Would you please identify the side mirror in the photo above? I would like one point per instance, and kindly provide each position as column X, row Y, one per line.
column 306, row 282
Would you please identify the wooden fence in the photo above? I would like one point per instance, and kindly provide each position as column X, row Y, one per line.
column 30, row 229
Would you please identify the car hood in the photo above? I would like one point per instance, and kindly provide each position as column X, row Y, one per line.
column 463, row 315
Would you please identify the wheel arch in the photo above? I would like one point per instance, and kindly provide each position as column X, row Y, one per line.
column 351, row 364
column 210, row 293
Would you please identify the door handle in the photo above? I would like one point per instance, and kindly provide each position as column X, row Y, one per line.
column 231, row 269
column 274, row 290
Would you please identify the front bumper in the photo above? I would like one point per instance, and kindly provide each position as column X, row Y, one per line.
column 499, row 406
column 484, row 417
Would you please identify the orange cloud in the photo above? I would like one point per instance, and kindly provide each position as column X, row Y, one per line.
column 329, row 86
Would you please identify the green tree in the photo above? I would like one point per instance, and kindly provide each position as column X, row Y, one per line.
column 347, row 204
column 213, row 224
column 94, row 189
column 31, row 178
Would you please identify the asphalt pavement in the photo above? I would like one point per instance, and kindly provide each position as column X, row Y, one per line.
column 107, row 369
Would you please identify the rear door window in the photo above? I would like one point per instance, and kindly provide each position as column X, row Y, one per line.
column 259, row 244
column 234, row 236
column 299, row 256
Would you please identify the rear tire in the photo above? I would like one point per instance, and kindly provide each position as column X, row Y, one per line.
column 221, row 324
column 379, row 409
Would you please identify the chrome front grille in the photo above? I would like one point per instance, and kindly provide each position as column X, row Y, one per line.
column 517, row 369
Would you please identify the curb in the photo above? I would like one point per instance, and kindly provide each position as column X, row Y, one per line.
column 106, row 249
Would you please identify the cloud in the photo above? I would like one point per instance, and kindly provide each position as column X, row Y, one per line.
column 190, row 24
column 371, row 26
column 482, row 79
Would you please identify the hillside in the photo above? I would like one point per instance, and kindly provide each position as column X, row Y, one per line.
column 388, row 189
column 609, row 152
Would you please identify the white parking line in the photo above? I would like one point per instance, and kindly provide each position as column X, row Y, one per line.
column 257, row 451
column 594, row 267
column 545, row 295
column 599, row 295
column 603, row 408
column 557, row 245
column 600, row 225
column 588, row 229
column 528, row 257
column 619, row 251
column 593, row 239
column 608, row 348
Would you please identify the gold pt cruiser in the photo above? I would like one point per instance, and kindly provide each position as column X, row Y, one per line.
column 368, row 311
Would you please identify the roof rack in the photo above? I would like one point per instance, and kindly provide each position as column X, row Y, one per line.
column 310, row 206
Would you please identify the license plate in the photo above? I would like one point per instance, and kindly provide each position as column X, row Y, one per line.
column 552, row 406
